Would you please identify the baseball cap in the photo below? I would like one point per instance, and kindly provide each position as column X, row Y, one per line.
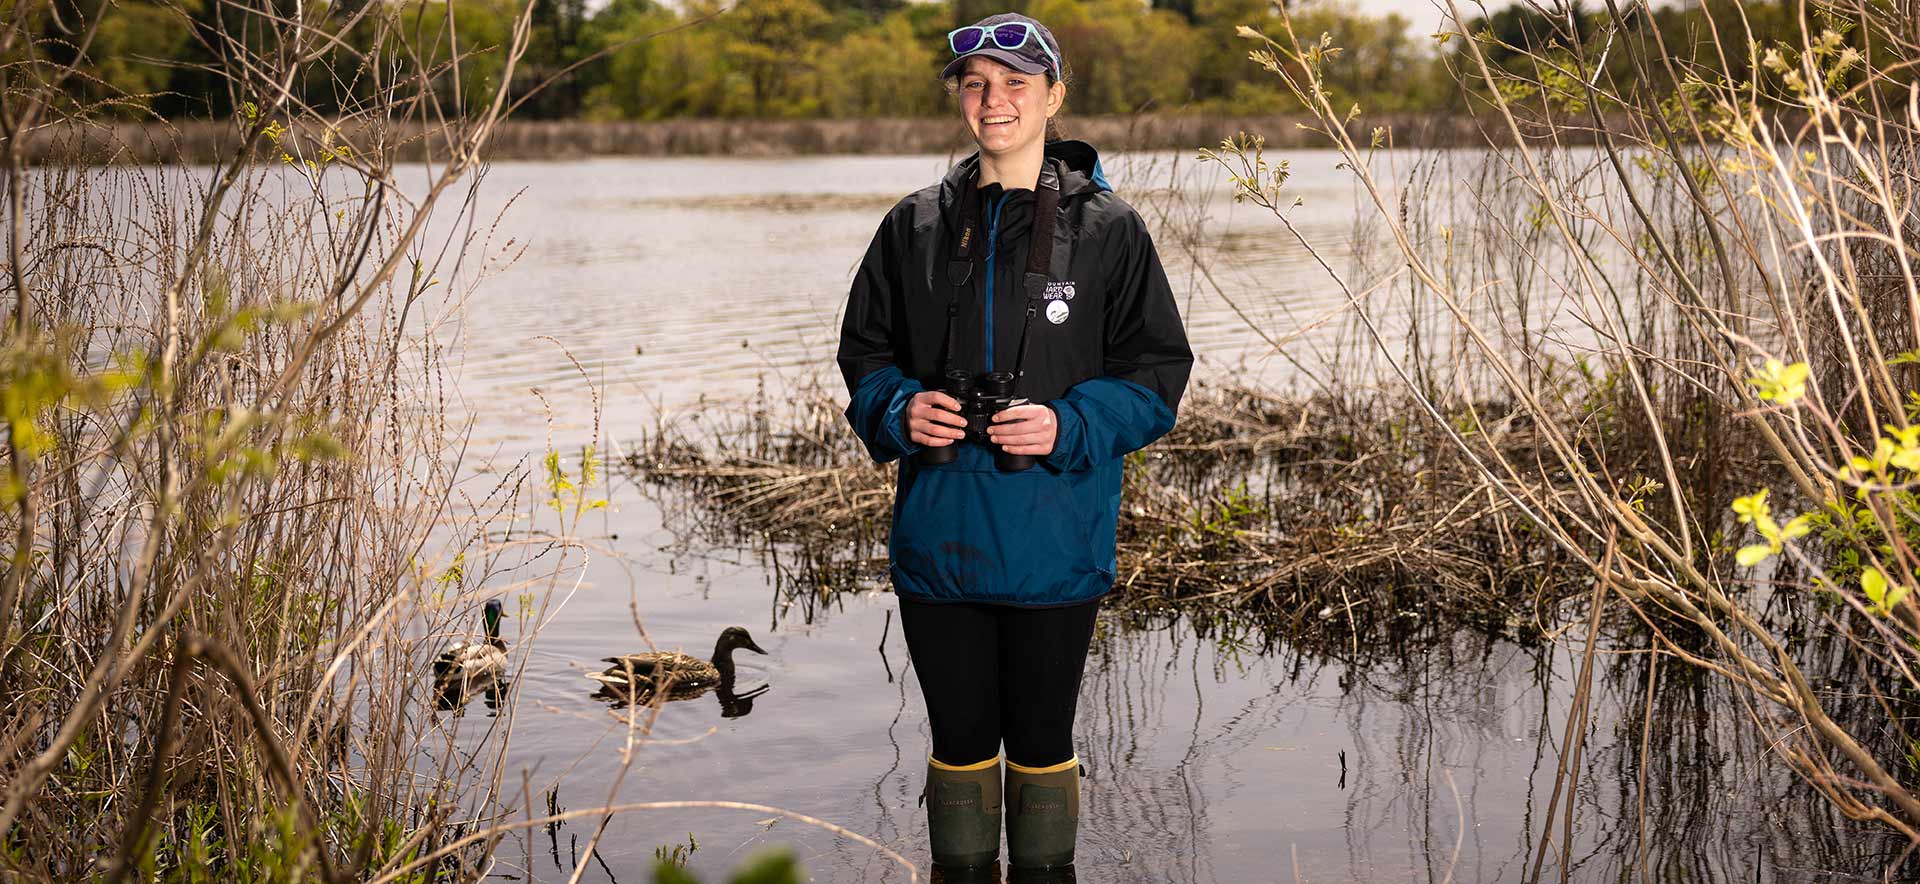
column 1037, row 51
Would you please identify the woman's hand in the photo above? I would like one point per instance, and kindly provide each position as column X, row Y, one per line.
column 933, row 420
column 1025, row 429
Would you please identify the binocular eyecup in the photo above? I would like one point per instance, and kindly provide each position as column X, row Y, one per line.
column 981, row 397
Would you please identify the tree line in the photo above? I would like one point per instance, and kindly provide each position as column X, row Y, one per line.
column 638, row 59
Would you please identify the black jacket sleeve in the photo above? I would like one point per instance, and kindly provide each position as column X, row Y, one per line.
column 1147, row 358
column 879, row 392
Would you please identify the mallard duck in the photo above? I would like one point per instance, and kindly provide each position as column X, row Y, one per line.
column 678, row 673
column 469, row 666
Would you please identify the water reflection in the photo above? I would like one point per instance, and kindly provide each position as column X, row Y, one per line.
column 977, row 875
column 732, row 705
column 1222, row 750
column 1439, row 765
column 1065, row 875
column 1218, row 751
column 455, row 697
column 992, row 875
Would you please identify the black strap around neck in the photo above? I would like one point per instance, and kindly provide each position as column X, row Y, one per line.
column 1046, row 210
column 960, row 263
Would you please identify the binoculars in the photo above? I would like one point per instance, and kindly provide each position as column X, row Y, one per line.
column 981, row 397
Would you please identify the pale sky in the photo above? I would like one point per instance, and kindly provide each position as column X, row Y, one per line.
column 1429, row 14
column 1426, row 15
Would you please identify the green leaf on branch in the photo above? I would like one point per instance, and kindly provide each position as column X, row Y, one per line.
column 1751, row 507
column 1883, row 593
column 1906, row 448
column 1754, row 510
column 1780, row 383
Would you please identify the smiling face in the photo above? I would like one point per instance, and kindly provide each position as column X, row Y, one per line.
column 1005, row 109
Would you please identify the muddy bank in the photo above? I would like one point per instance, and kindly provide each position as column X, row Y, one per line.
column 205, row 140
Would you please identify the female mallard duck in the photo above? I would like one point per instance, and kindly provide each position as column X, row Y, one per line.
column 469, row 666
column 676, row 672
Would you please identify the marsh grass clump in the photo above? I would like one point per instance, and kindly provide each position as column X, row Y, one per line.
column 1327, row 515
column 1331, row 518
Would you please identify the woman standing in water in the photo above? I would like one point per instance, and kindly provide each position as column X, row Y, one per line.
column 1010, row 337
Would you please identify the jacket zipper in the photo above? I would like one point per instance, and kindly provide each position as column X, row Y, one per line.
column 993, row 245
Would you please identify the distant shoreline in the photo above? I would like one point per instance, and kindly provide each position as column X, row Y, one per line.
column 199, row 141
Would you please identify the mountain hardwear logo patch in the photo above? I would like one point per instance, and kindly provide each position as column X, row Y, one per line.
column 1059, row 291
column 1057, row 311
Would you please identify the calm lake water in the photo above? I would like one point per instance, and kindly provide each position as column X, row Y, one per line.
column 679, row 284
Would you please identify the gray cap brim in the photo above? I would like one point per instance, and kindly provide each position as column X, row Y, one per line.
column 1002, row 56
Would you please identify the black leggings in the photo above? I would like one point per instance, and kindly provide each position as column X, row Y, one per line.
column 992, row 673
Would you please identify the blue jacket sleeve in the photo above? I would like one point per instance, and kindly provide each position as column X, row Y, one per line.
column 1147, row 359
column 878, row 391
column 878, row 413
column 1104, row 418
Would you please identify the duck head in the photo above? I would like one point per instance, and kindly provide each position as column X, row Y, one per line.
column 490, row 615
column 730, row 639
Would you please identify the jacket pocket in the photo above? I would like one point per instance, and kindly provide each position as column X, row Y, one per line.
column 969, row 532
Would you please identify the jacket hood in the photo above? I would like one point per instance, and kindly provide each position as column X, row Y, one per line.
column 1082, row 174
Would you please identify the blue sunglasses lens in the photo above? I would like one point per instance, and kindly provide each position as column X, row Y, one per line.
column 1010, row 36
column 967, row 41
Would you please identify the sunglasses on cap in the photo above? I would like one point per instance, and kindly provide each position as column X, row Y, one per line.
column 1006, row 35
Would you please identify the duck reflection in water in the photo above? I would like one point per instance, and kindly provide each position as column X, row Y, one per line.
column 455, row 697
column 639, row 679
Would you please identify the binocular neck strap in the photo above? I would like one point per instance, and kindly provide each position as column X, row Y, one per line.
column 1046, row 209
column 1046, row 205
column 960, row 262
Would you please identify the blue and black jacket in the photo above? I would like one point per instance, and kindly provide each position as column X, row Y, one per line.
column 1110, row 357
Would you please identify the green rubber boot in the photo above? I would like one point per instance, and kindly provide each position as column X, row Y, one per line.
column 963, row 813
column 1043, row 814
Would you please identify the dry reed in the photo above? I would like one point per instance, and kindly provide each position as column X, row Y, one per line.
column 1333, row 519
column 1735, row 258
column 228, row 486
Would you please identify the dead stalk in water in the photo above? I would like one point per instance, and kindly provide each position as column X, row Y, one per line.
column 218, row 459
column 1754, row 195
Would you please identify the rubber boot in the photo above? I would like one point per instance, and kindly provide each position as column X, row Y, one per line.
column 1043, row 814
column 963, row 813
